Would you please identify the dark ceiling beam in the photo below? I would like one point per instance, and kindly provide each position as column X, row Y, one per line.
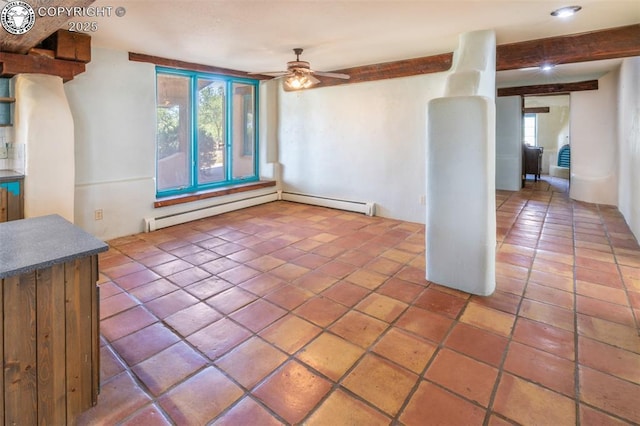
column 43, row 27
column 404, row 68
column 621, row 42
column 604, row 44
column 548, row 89
column 14, row 63
column 173, row 63
column 611, row 43
column 536, row 110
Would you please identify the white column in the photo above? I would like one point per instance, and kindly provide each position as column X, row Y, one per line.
column 44, row 125
column 461, row 217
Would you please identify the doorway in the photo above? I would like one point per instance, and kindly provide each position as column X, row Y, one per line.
column 546, row 124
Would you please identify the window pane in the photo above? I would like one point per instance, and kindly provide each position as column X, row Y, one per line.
column 211, row 131
column 206, row 131
column 173, row 136
column 529, row 129
column 243, row 137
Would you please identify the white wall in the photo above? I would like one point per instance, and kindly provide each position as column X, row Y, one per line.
column 629, row 143
column 594, row 155
column 113, row 106
column 361, row 142
column 508, row 143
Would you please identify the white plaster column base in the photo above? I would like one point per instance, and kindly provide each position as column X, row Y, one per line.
column 461, row 216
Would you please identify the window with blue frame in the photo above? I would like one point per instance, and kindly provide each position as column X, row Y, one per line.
column 206, row 131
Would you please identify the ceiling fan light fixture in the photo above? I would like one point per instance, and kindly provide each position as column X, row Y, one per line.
column 565, row 12
column 298, row 81
column 299, row 74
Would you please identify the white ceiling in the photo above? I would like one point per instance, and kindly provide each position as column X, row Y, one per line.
column 258, row 36
column 566, row 73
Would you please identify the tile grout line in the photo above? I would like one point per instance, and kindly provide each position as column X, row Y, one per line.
column 501, row 371
column 128, row 369
column 613, row 252
column 620, row 274
column 434, row 355
column 576, row 337
column 337, row 385
column 154, row 400
column 255, row 334
column 369, row 349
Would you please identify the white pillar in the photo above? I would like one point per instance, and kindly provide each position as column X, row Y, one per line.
column 44, row 125
column 461, row 216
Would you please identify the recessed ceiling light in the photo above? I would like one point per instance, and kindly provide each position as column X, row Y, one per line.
column 565, row 12
column 546, row 67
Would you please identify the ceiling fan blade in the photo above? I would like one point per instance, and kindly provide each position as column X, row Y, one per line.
column 271, row 73
column 312, row 79
column 332, row 75
column 300, row 75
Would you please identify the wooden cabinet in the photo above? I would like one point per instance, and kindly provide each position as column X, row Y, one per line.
column 531, row 162
column 49, row 324
column 50, row 343
column 11, row 200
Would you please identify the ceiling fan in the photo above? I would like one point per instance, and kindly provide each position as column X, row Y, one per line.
column 299, row 74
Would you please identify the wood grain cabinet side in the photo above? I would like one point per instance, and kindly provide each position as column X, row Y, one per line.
column 50, row 343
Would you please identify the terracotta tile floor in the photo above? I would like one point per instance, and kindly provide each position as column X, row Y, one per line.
column 287, row 313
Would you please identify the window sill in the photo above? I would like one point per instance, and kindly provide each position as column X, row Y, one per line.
column 218, row 192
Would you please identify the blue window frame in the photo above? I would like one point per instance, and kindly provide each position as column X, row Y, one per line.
column 206, row 131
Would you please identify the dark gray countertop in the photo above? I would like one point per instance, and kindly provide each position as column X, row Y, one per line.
column 10, row 175
column 41, row 242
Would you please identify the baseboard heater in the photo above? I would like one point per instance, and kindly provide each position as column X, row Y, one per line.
column 367, row 208
column 153, row 223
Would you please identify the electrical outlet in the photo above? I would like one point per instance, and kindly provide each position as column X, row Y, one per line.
column 423, row 200
column 98, row 214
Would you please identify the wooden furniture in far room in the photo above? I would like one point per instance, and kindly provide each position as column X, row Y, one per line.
column 49, row 321
column 11, row 196
column 531, row 162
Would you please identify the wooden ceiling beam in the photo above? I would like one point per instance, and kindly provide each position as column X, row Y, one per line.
column 621, row 42
column 611, row 43
column 536, row 110
column 173, row 63
column 404, row 68
column 604, row 44
column 43, row 27
column 13, row 63
column 548, row 89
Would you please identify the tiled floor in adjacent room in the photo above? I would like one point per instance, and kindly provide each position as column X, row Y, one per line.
column 287, row 313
